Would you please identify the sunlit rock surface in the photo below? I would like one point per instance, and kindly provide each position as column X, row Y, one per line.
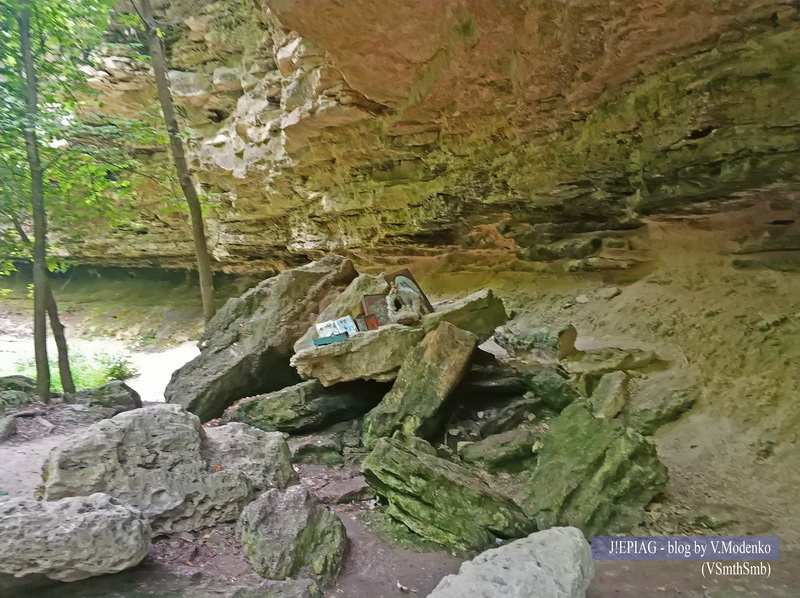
column 524, row 133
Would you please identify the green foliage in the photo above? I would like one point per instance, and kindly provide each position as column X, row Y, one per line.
column 88, row 370
column 92, row 163
column 117, row 366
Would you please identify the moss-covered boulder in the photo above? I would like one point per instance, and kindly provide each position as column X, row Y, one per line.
column 593, row 474
column 288, row 534
column 417, row 402
column 307, row 406
column 509, row 449
column 18, row 383
column 115, row 395
column 548, row 384
column 441, row 501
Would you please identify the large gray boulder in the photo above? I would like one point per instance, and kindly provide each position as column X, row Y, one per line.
column 417, row 403
column 246, row 347
column 288, row 534
column 307, row 406
column 556, row 563
column 68, row 540
column 263, row 457
column 372, row 355
column 160, row 460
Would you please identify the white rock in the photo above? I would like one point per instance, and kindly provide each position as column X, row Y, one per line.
column 158, row 460
column 71, row 539
column 555, row 563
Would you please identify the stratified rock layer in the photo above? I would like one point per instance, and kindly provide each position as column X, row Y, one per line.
column 70, row 539
column 440, row 500
column 528, row 132
column 246, row 348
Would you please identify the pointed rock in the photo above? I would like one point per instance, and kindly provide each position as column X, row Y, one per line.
column 417, row 403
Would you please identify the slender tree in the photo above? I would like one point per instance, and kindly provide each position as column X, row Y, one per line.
column 156, row 48
column 40, row 278
column 41, row 47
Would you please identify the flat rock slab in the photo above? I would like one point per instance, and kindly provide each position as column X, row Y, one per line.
column 246, row 348
column 417, row 402
column 555, row 563
column 344, row 491
column 372, row 355
column 70, row 539
column 479, row 313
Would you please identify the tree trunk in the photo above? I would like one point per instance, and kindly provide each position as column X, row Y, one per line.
column 40, row 271
column 64, row 370
column 184, row 176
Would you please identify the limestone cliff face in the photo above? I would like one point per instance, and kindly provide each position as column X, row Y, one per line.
column 525, row 132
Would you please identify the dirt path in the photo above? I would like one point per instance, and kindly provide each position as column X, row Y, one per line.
column 21, row 468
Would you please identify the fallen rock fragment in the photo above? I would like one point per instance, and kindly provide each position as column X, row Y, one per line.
column 344, row 491
column 479, row 313
column 656, row 408
column 549, row 384
column 440, row 500
column 115, row 395
column 417, row 402
column 322, row 449
column 550, row 341
column 610, row 395
column 263, row 457
column 555, row 563
column 598, row 362
column 68, row 540
column 593, row 474
column 509, row 448
column 372, row 355
column 288, row 534
column 307, row 406
column 246, row 348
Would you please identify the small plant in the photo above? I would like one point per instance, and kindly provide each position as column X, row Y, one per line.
column 117, row 367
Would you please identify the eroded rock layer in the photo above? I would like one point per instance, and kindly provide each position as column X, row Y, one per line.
column 523, row 131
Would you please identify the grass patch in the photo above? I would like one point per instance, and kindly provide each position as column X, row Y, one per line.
column 88, row 371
